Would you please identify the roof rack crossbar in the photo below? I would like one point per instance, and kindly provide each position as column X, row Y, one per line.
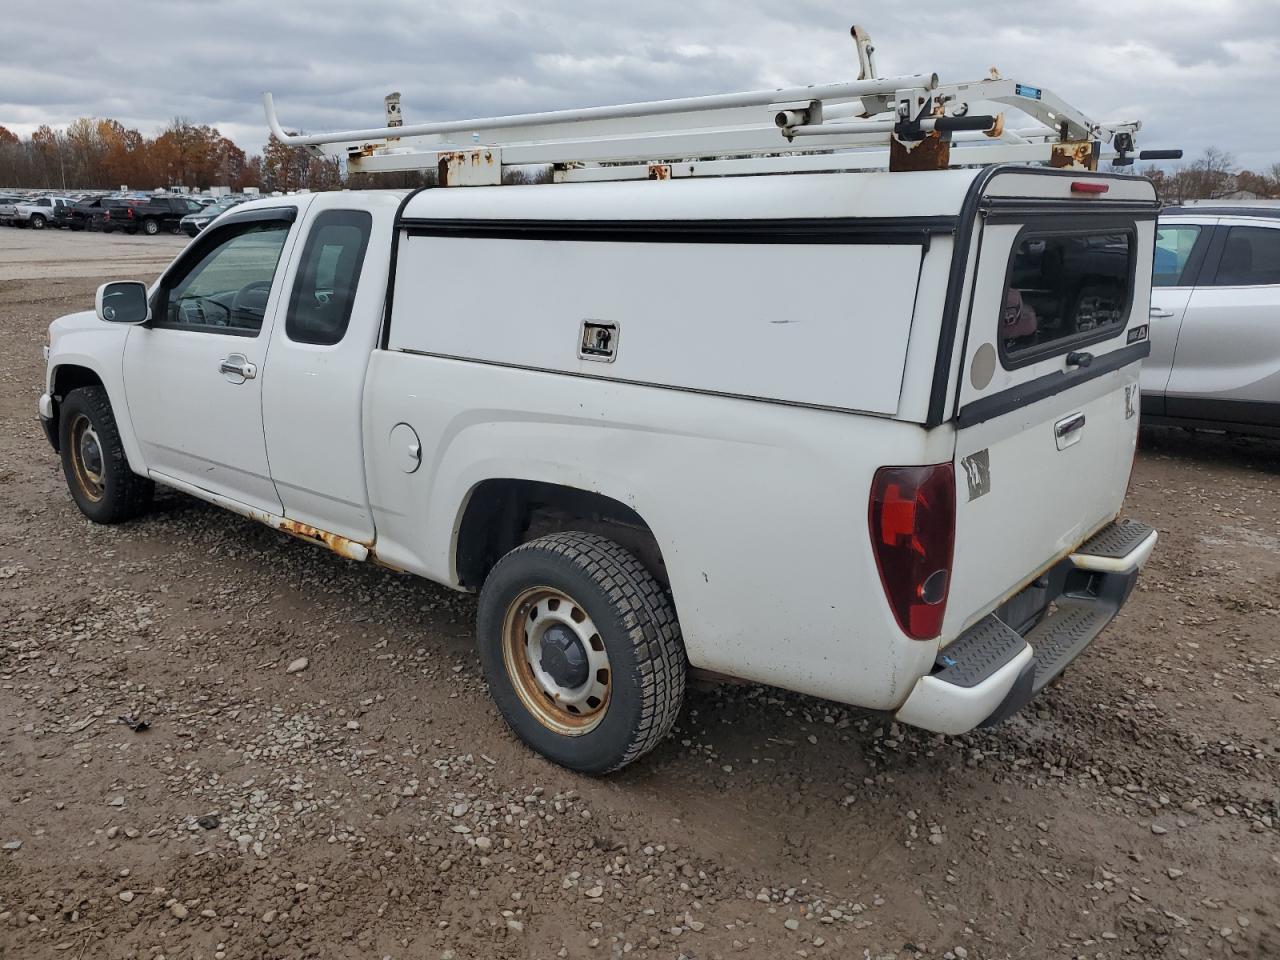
column 736, row 133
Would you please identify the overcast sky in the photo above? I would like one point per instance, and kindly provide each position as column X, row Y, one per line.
column 1196, row 72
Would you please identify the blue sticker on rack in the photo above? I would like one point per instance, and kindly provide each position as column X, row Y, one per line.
column 1022, row 90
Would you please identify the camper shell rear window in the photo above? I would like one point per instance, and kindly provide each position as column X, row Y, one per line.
column 1066, row 286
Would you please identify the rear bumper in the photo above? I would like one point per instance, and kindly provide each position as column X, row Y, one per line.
column 994, row 668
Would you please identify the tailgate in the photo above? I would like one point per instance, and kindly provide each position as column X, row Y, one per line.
column 1048, row 401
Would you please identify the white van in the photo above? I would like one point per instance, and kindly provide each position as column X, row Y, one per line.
column 862, row 435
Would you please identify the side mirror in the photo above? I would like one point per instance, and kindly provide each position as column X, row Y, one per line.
column 123, row 301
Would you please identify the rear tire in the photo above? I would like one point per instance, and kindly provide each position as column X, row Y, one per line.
column 93, row 460
column 150, row 227
column 614, row 624
column 37, row 222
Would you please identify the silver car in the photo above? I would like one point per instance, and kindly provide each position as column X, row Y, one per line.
column 1215, row 319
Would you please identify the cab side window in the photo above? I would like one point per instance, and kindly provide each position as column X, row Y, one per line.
column 227, row 287
column 328, row 274
column 1250, row 258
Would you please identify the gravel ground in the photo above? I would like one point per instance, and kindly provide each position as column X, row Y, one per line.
column 324, row 776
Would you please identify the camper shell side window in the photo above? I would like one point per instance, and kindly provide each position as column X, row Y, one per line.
column 1068, row 284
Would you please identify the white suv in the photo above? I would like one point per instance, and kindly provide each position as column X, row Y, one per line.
column 1215, row 320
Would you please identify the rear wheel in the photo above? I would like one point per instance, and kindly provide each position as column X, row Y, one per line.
column 582, row 651
column 37, row 222
column 150, row 227
column 94, row 462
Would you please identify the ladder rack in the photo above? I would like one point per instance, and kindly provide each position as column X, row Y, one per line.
column 873, row 123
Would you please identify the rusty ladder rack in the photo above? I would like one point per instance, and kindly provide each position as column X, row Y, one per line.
column 872, row 123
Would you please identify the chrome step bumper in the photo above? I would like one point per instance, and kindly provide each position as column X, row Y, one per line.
column 991, row 670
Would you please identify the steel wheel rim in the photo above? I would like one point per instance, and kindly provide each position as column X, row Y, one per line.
column 541, row 615
column 86, row 457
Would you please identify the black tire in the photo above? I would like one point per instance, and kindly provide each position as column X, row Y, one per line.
column 37, row 222
column 150, row 226
column 636, row 621
column 121, row 494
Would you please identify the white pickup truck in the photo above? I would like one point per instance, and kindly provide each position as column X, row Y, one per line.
column 862, row 435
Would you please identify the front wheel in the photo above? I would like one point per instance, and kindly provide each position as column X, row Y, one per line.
column 94, row 461
column 582, row 651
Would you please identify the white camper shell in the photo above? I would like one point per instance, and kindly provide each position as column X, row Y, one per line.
column 862, row 435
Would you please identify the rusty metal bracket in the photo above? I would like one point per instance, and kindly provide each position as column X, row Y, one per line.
column 1078, row 155
column 471, row 168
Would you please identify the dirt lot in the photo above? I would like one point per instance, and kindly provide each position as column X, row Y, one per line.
column 373, row 805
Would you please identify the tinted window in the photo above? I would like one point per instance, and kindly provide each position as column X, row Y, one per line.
column 44, row 202
column 1173, row 248
column 226, row 288
column 1064, row 289
column 320, row 307
column 1250, row 258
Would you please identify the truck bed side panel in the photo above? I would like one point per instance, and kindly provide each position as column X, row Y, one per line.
column 760, row 509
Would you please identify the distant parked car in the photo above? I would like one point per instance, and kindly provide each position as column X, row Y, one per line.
column 98, row 214
column 193, row 223
column 37, row 213
column 153, row 214
column 1215, row 320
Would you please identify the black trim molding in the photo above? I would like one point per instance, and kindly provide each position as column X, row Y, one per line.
column 817, row 230
column 1041, row 388
column 384, row 336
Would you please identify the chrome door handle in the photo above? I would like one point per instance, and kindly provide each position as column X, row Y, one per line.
column 239, row 366
column 1069, row 425
column 1158, row 314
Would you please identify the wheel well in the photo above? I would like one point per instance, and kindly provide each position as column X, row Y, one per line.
column 68, row 378
column 502, row 514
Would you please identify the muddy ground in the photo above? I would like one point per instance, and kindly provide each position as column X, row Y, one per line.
column 373, row 805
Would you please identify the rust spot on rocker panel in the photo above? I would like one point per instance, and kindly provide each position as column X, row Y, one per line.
column 351, row 549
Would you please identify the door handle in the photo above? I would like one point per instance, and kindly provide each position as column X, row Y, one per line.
column 1069, row 425
column 237, row 365
column 1156, row 313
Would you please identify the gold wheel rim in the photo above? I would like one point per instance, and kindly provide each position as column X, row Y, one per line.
column 539, row 620
column 87, row 465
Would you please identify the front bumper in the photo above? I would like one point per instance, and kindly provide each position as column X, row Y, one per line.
column 996, row 666
column 47, row 420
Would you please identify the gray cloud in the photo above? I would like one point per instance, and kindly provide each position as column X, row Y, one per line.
column 1197, row 74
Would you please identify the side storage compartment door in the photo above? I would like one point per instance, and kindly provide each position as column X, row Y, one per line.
column 1048, row 404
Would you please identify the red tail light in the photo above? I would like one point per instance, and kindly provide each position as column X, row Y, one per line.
column 913, row 530
column 1089, row 186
